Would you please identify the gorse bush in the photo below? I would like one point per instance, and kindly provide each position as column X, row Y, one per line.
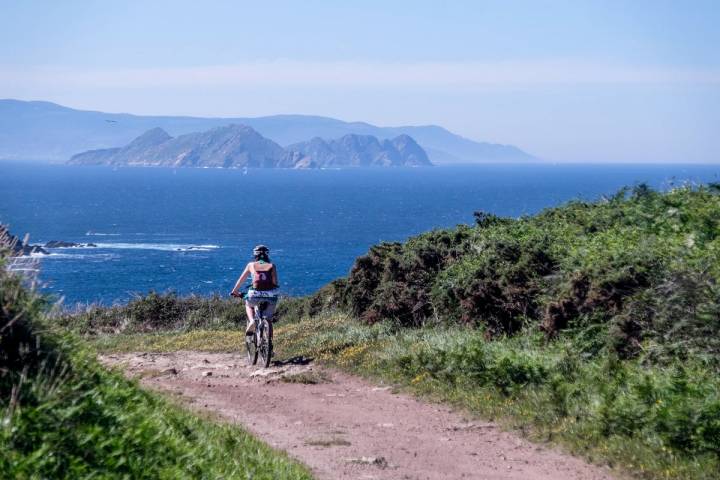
column 643, row 263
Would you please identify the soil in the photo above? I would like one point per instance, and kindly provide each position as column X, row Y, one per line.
column 344, row 427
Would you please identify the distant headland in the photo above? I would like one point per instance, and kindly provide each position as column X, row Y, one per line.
column 44, row 131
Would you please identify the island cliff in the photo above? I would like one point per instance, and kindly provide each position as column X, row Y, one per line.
column 240, row 146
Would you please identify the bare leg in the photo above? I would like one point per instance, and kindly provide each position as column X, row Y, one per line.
column 250, row 315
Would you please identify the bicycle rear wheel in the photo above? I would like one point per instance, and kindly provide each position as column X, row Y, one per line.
column 265, row 345
column 251, row 348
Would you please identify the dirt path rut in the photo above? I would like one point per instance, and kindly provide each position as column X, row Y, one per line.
column 343, row 427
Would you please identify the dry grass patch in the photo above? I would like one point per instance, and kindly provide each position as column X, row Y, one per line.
column 328, row 442
column 308, row 377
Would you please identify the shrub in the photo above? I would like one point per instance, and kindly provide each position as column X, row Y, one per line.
column 643, row 264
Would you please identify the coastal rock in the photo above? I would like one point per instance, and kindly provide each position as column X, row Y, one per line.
column 17, row 247
column 63, row 244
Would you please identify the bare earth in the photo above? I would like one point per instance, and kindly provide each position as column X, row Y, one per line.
column 346, row 428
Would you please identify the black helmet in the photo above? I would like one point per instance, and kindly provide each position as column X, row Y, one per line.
column 260, row 249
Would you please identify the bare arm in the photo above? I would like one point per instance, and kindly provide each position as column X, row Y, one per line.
column 242, row 279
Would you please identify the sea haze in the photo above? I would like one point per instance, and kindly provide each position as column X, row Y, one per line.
column 192, row 230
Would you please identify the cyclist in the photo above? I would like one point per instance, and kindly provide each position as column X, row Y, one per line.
column 263, row 275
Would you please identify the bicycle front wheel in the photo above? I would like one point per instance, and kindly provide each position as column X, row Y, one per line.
column 251, row 349
column 265, row 346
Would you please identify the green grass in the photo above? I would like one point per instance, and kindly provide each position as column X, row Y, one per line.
column 651, row 422
column 592, row 325
column 206, row 340
column 63, row 416
column 107, row 427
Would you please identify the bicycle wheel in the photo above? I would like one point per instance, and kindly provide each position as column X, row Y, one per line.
column 265, row 345
column 251, row 348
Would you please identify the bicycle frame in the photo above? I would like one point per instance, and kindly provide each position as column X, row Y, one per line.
column 261, row 343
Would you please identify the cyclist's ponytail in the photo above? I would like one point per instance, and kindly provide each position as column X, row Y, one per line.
column 262, row 256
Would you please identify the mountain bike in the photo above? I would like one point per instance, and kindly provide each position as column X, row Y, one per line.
column 260, row 343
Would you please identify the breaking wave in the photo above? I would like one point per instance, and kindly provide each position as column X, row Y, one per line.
column 168, row 247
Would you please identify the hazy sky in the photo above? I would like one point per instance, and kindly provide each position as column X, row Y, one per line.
column 568, row 80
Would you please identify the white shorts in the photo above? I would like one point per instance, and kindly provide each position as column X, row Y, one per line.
column 274, row 293
column 254, row 297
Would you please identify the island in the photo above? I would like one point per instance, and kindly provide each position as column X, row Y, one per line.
column 240, row 146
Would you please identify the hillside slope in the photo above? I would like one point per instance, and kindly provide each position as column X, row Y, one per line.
column 65, row 417
column 593, row 325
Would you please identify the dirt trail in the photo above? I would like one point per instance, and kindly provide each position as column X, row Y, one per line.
column 346, row 428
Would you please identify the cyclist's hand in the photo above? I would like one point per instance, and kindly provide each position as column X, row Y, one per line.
column 235, row 294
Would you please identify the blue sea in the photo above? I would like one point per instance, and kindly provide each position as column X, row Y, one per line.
column 192, row 230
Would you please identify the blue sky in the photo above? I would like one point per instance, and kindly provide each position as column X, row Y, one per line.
column 576, row 80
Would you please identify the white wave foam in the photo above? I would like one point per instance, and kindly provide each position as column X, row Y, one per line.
column 169, row 247
column 76, row 256
column 98, row 234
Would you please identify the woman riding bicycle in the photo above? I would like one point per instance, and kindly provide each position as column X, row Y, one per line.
column 264, row 285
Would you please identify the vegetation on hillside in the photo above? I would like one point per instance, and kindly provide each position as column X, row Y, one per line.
column 594, row 324
column 639, row 270
column 64, row 416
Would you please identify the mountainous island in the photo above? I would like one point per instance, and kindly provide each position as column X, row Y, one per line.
column 240, row 146
column 49, row 132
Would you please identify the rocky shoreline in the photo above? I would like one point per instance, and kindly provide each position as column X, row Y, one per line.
column 22, row 248
column 63, row 244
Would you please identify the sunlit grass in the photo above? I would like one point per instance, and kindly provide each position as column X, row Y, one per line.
column 574, row 410
column 205, row 340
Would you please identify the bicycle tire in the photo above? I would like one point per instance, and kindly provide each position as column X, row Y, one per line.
column 251, row 348
column 265, row 345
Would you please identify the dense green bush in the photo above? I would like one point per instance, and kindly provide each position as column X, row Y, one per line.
column 643, row 263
